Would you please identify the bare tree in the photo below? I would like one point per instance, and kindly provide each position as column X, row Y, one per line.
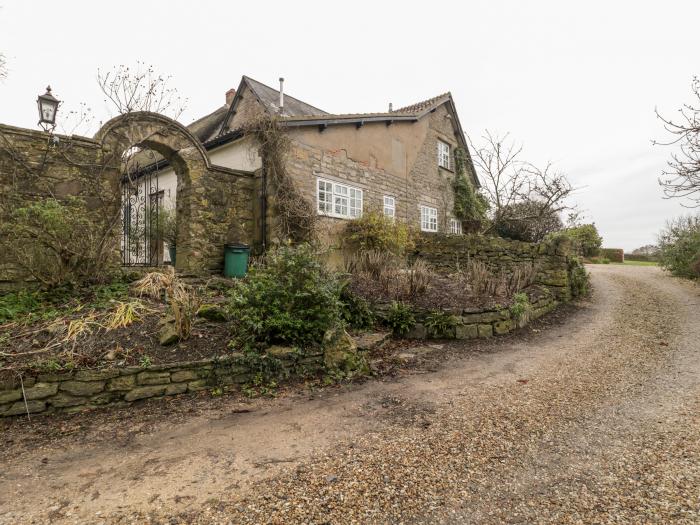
column 3, row 67
column 140, row 88
column 682, row 177
column 510, row 181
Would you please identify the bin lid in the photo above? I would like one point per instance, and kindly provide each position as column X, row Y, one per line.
column 236, row 246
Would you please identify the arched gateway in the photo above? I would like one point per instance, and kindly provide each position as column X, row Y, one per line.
column 214, row 205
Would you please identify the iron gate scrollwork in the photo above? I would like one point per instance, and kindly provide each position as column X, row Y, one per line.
column 142, row 207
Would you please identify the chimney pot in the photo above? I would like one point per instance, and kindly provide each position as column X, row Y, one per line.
column 229, row 96
column 281, row 95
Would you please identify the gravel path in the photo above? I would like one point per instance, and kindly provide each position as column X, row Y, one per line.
column 595, row 421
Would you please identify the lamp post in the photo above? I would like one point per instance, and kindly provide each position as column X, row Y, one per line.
column 48, row 106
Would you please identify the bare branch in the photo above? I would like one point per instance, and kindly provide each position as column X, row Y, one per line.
column 681, row 179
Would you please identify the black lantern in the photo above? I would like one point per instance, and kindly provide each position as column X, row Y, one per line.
column 48, row 105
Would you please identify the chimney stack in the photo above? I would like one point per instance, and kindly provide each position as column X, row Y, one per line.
column 229, row 96
column 281, row 94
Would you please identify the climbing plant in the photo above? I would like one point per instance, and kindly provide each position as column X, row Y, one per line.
column 469, row 205
column 296, row 218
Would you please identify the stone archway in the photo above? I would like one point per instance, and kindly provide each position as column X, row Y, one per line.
column 189, row 160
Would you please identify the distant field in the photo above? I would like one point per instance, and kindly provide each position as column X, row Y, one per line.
column 639, row 263
column 629, row 263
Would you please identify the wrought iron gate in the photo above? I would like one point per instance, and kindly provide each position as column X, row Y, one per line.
column 142, row 232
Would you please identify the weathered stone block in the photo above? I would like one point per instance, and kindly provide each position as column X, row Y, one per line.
column 41, row 390
column 104, row 398
column 196, row 386
column 484, row 317
column 502, row 327
column 184, row 375
column 82, row 388
column 51, row 377
column 282, row 352
column 21, row 408
column 485, row 330
column 121, row 383
column 466, row 331
column 144, row 392
column 8, row 396
column 64, row 400
column 175, row 388
column 212, row 312
column 153, row 378
column 96, row 375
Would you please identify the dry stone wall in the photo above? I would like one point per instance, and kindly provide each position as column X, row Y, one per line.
column 84, row 389
column 483, row 323
column 551, row 259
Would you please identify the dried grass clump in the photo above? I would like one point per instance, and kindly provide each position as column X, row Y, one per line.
column 125, row 313
column 155, row 284
column 483, row 282
column 384, row 276
column 183, row 299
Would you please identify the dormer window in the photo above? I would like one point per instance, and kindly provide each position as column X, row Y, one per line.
column 443, row 152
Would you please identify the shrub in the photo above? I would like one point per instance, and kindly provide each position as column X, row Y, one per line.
column 355, row 310
column 679, row 247
column 59, row 243
column 400, row 318
column 376, row 232
column 440, row 323
column 527, row 221
column 290, row 300
column 578, row 277
column 521, row 304
column 585, row 239
column 16, row 304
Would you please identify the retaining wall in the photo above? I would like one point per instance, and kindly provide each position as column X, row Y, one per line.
column 84, row 389
column 483, row 323
column 551, row 259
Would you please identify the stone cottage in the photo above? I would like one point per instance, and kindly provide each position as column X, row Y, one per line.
column 401, row 162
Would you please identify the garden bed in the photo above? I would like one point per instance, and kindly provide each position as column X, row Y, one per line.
column 78, row 333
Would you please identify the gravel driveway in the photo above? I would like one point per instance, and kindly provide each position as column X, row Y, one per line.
column 593, row 421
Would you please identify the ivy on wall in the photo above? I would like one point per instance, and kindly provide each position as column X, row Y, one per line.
column 469, row 205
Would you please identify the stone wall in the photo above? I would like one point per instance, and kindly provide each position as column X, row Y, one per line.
column 551, row 259
column 215, row 205
column 616, row 255
column 484, row 323
column 85, row 389
column 32, row 167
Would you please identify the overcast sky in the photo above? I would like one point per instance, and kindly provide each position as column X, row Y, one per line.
column 575, row 82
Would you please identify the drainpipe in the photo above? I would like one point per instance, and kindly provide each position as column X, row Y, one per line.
column 263, row 209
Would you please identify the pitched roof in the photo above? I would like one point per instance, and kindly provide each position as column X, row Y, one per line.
column 424, row 105
column 207, row 127
column 269, row 97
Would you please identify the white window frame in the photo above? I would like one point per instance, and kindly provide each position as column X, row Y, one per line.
column 428, row 219
column 443, row 153
column 334, row 199
column 455, row 227
column 390, row 206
